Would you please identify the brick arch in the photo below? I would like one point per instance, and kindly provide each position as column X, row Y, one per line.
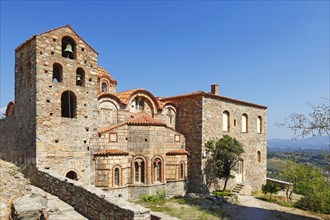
column 182, row 170
column 10, row 110
column 154, row 160
column 71, row 170
column 120, row 175
column 139, row 158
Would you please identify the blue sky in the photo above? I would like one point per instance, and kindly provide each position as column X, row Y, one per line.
column 274, row 53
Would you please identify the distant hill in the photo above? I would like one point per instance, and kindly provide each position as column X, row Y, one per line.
column 316, row 143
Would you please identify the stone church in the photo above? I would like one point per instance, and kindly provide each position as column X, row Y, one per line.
column 68, row 117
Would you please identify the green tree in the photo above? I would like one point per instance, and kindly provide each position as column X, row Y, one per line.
column 270, row 188
column 308, row 181
column 225, row 154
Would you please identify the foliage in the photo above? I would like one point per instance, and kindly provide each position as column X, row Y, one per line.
column 317, row 202
column 221, row 193
column 308, row 181
column 317, row 122
column 271, row 188
column 225, row 153
column 185, row 208
column 160, row 195
column 275, row 199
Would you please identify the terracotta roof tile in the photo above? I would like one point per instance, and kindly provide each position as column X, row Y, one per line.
column 101, row 72
column 112, row 152
column 178, row 152
column 126, row 95
column 144, row 119
column 179, row 97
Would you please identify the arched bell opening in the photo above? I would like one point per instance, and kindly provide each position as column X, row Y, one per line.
column 80, row 77
column 68, row 47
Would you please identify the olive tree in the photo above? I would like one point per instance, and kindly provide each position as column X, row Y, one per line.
column 225, row 153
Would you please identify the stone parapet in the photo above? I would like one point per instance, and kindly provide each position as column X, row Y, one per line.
column 90, row 201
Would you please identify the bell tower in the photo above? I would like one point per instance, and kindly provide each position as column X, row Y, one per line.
column 63, row 100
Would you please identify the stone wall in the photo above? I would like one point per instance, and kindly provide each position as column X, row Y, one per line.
column 7, row 138
column 25, row 102
column 90, row 201
column 199, row 118
column 189, row 123
column 63, row 143
column 254, row 172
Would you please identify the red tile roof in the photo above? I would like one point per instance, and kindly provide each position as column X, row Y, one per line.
column 101, row 72
column 178, row 152
column 180, row 97
column 126, row 95
column 137, row 119
column 144, row 119
column 112, row 152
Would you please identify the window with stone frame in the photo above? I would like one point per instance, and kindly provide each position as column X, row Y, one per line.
column 117, row 176
column 226, row 121
column 170, row 114
column 104, row 87
column 259, row 156
column 57, row 72
column 245, row 123
column 113, row 137
column 259, row 125
column 157, row 170
column 139, row 170
column 176, row 138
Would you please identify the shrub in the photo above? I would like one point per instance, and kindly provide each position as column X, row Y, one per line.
column 160, row 195
column 221, row 193
column 271, row 188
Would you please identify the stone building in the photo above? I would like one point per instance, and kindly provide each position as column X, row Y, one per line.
column 68, row 117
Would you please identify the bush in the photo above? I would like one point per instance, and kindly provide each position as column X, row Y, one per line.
column 271, row 188
column 160, row 195
column 221, row 193
column 318, row 202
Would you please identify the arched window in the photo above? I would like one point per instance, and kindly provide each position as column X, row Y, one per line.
column 57, row 72
column 68, row 104
column 226, row 121
column 80, row 77
column 259, row 156
column 68, row 47
column 116, row 176
column 139, row 171
column 259, row 125
column 72, row 175
column 104, row 87
column 157, row 170
column 170, row 113
column 244, row 123
column 181, row 170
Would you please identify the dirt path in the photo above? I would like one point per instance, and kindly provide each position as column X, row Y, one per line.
column 250, row 208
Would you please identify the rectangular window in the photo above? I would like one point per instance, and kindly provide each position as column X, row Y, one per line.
column 176, row 138
column 113, row 137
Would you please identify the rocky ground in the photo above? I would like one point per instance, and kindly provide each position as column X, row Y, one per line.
column 20, row 200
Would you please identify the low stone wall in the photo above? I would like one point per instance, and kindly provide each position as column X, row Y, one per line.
column 90, row 201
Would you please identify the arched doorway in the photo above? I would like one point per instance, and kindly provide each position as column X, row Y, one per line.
column 72, row 175
column 240, row 171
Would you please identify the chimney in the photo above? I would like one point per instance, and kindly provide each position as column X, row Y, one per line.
column 215, row 89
